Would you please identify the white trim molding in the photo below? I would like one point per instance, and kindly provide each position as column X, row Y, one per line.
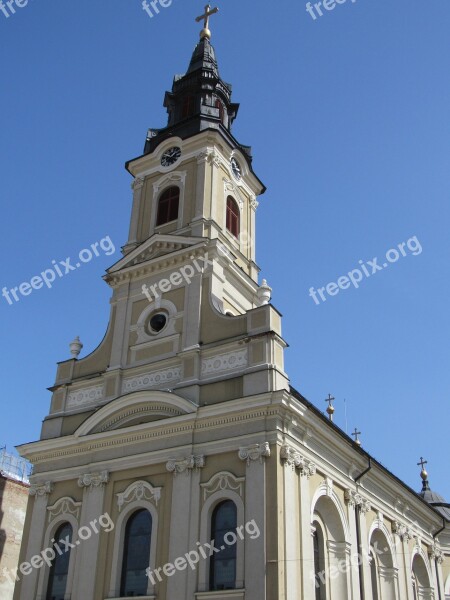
column 137, row 491
column 223, row 481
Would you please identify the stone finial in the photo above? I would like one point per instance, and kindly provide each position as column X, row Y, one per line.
column 75, row 347
column 264, row 293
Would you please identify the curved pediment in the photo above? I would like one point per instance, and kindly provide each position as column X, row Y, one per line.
column 135, row 409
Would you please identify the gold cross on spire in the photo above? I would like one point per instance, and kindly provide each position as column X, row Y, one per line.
column 205, row 32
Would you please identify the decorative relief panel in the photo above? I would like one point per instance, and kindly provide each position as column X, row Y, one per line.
column 223, row 481
column 148, row 380
column 64, row 506
column 185, row 465
column 225, row 362
column 84, row 396
column 254, row 452
column 139, row 490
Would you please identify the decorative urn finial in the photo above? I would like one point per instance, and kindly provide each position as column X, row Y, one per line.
column 75, row 347
column 264, row 293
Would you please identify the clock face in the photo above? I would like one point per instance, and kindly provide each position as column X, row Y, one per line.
column 170, row 156
column 236, row 168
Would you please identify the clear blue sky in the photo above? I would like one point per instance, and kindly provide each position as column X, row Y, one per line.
column 348, row 116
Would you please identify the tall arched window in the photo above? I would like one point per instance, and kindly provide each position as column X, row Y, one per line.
column 219, row 105
column 168, row 206
column 59, row 571
column 188, row 107
column 319, row 562
column 233, row 216
column 136, row 554
column 222, row 573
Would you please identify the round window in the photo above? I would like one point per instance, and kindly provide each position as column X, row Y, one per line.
column 157, row 322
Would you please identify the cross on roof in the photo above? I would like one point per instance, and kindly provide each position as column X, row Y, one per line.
column 330, row 409
column 422, row 462
column 205, row 17
column 357, row 433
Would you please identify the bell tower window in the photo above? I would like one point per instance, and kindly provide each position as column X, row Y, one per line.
column 219, row 105
column 188, row 106
column 233, row 216
column 168, row 206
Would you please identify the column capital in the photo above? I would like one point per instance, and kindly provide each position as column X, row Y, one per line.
column 435, row 553
column 185, row 465
column 41, row 489
column 93, row 480
column 404, row 532
column 254, row 452
column 295, row 460
column 137, row 183
column 355, row 499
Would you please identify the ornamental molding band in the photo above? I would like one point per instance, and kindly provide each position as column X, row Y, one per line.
column 84, row 396
column 355, row 499
column 254, row 452
column 295, row 460
column 185, row 465
column 137, row 491
column 41, row 489
column 223, row 481
column 148, row 380
column 435, row 553
column 225, row 362
column 93, row 480
column 64, row 506
column 404, row 532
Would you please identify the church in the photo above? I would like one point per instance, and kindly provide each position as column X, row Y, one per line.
column 177, row 462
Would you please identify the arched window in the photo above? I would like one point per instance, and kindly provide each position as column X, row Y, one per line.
column 219, row 105
column 59, row 571
column 319, row 562
column 233, row 216
column 222, row 573
column 188, row 107
column 168, row 206
column 136, row 554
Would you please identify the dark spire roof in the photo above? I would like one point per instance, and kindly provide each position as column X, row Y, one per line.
column 200, row 99
column 433, row 498
column 204, row 58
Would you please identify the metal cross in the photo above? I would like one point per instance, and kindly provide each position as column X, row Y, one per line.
column 422, row 463
column 208, row 13
column 356, row 433
column 330, row 409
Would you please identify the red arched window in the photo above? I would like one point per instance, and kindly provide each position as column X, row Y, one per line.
column 168, row 206
column 219, row 105
column 188, row 107
column 233, row 216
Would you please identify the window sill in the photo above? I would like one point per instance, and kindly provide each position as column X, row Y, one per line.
column 133, row 598
column 221, row 595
